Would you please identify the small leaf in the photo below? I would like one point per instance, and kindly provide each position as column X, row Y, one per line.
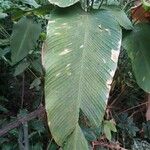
column 36, row 82
column 112, row 126
column 146, row 4
column 37, row 66
column 127, row 124
column 140, row 145
column 3, row 15
column 21, row 67
column 24, row 36
column 3, row 109
column 2, row 140
column 107, row 131
column 108, row 127
column 112, row 2
column 146, row 128
column 4, row 42
column 31, row 3
column 3, row 52
column 89, row 134
column 37, row 146
column 38, row 126
column 2, row 98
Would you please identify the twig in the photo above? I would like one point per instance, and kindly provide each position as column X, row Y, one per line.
column 119, row 96
column 133, row 107
column 135, row 112
column 111, row 146
column 40, row 112
column 32, row 73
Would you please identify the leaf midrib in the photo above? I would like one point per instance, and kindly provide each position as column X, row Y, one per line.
column 86, row 32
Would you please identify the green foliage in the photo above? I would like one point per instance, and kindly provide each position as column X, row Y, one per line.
column 109, row 126
column 37, row 66
column 2, row 15
column 23, row 39
column 146, row 4
column 3, row 52
column 38, row 126
column 120, row 16
column 146, row 129
column 3, row 109
column 140, row 145
column 127, row 125
column 5, row 4
column 76, row 140
column 35, row 84
column 31, row 3
column 91, row 134
column 75, row 42
column 11, row 87
column 137, row 45
column 4, row 42
column 21, row 67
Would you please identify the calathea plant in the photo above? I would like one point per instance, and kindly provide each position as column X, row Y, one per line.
column 80, row 57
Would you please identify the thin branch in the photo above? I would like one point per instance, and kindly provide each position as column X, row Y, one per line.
column 40, row 112
column 131, row 108
column 32, row 73
column 119, row 96
column 112, row 146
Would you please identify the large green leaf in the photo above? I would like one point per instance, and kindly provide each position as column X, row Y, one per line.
column 24, row 36
column 80, row 58
column 63, row 3
column 137, row 44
